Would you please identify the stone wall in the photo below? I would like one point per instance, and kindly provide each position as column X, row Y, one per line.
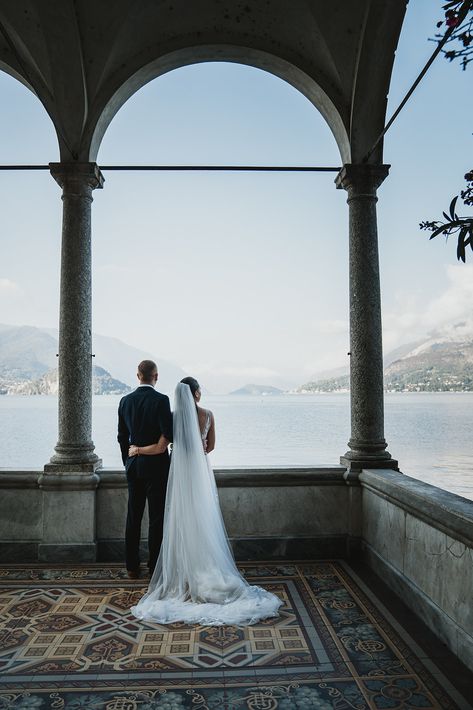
column 419, row 539
column 291, row 513
column 269, row 513
column 21, row 516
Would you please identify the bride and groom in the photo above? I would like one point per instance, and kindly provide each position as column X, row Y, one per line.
column 194, row 578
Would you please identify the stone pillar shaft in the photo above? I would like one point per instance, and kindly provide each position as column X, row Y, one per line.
column 367, row 443
column 75, row 448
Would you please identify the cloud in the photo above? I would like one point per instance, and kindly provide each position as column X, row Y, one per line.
column 412, row 318
column 455, row 302
column 9, row 287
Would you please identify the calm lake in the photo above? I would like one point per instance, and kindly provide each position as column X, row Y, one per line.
column 429, row 433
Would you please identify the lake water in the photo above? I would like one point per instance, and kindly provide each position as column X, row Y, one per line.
column 429, row 433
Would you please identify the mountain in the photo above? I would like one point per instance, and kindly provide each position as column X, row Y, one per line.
column 341, row 373
column 102, row 383
column 257, row 390
column 27, row 353
column 440, row 363
column 443, row 366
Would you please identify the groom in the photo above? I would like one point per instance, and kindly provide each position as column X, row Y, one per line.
column 144, row 417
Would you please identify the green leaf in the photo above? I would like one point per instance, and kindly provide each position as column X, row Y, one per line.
column 452, row 208
column 461, row 244
column 439, row 230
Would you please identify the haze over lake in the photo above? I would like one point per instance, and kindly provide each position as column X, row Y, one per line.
column 429, row 433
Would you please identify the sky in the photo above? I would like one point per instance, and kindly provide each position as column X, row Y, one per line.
column 243, row 278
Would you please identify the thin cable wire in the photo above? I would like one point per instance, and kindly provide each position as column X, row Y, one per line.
column 195, row 168
column 461, row 16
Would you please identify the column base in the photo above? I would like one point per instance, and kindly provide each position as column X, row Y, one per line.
column 74, row 458
column 357, row 463
column 72, row 467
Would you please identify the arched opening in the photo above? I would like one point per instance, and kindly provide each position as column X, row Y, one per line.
column 29, row 277
column 235, row 278
column 310, row 87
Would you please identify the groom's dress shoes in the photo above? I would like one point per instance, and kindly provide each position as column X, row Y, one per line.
column 133, row 573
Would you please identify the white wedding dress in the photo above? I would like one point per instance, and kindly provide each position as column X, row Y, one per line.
column 196, row 579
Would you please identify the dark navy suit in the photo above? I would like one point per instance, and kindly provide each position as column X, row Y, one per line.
column 143, row 415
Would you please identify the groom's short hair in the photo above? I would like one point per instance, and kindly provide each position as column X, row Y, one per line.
column 146, row 370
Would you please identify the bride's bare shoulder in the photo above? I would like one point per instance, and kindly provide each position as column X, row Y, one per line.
column 203, row 412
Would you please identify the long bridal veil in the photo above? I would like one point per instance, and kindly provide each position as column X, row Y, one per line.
column 196, row 579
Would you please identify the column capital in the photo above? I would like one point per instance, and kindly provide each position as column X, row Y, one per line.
column 361, row 178
column 74, row 175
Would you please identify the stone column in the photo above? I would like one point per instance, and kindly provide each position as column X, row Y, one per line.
column 75, row 448
column 367, row 443
column 69, row 481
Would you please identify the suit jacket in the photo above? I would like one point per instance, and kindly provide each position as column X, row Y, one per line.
column 143, row 415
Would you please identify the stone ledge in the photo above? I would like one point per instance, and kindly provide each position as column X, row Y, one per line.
column 111, row 478
column 255, row 476
column 226, row 477
column 441, row 509
column 280, row 476
column 22, row 478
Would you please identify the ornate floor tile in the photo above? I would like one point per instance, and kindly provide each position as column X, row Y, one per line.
column 68, row 641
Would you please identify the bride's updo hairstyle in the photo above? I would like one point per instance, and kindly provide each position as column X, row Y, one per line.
column 193, row 384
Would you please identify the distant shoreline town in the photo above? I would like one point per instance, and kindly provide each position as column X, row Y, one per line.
column 28, row 366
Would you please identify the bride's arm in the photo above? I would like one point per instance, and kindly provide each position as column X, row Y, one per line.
column 150, row 450
column 211, row 435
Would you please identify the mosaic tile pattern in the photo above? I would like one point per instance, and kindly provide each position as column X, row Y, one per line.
column 68, row 641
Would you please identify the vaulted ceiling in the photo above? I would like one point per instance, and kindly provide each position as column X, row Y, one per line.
column 84, row 58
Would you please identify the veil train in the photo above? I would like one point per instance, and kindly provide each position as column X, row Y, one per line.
column 196, row 579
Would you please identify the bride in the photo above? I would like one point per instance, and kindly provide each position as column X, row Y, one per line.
column 196, row 579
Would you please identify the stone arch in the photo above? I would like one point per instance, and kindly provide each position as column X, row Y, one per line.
column 258, row 59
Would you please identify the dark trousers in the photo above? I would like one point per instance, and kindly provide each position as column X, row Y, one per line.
column 151, row 488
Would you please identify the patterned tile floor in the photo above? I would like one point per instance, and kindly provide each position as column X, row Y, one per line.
column 68, row 641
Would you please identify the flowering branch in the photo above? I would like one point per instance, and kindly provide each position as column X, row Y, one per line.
column 462, row 32
column 458, row 22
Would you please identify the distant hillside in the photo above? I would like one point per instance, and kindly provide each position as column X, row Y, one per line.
column 102, row 383
column 437, row 364
column 331, row 384
column 258, row 390
column 444, row 366
column 28, row 353
column 25, row 352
